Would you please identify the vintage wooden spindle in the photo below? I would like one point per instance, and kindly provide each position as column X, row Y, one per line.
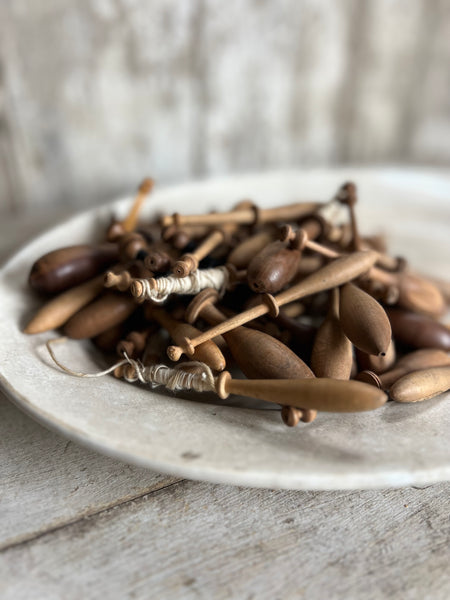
column 106, row 311
column 321, row 394
column 207, row 352
column 118, row 228
column 257, row 354
column 122, row 279
column 189, row 262
column 414, row 361
column 336, row 273
column 364, row 321
column 413, row 292
column 418, row 331
column 249, row 216
column 67, row 267
column 332, row 353
column 421, row 385
column 61, row 308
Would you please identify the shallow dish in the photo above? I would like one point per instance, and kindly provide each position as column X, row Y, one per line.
column 212, row 440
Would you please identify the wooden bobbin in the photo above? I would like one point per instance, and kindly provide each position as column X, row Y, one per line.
column 338, row 272
column 207, row 352
column 327, row 395
column 248, row 216
column 67, row 267
column 257, row 354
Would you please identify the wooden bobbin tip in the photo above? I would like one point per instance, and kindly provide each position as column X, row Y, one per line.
column 137, row 289
column 175, row 352
column 184, row 267
column 146, row 186
column 221, row 384
column 204, row 298
column 110, row 279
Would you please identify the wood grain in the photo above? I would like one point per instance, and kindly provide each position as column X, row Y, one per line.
column 194, row 540
column 187, row 89
column 47, row 481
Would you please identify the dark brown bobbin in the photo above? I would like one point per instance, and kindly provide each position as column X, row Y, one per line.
column 418, row 331
column 160, row 257
column 273, row 267
column 131, row 244
column 67, row 267
column 364, row 321
column 336, row 273
column 257, row 354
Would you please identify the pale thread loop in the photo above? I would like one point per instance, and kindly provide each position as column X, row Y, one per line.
column 217, row 278
column 191, row 375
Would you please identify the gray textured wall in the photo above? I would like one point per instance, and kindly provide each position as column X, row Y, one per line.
column 94, row 94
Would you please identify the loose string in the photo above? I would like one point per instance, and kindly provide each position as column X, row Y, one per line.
column 192, row 375
column 158, row 290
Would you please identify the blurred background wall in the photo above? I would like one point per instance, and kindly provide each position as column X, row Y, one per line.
column 96, row 94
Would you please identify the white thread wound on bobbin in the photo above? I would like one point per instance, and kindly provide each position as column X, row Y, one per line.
column 194, row 283
column 192, row 375
column 175, row 379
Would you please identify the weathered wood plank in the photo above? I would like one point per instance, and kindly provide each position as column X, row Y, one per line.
column 47, row 481
column 94, row 95
column 196, row 540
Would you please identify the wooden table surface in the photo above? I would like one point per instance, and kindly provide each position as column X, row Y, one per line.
column 75, row 524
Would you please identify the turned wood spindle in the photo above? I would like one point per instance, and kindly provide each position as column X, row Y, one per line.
column 257, row 354
column 413, row 292
column 118, row 228
column 189, row 262
column 327, row 395
column 336, row 273
column 207, row 352
column 248, row 216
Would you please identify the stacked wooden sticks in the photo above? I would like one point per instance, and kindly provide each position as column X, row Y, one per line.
column 317, row 317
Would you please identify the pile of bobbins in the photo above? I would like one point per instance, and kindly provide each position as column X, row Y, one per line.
column 316, row 316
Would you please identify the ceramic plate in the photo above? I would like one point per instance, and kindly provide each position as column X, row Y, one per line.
column 212, row 440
